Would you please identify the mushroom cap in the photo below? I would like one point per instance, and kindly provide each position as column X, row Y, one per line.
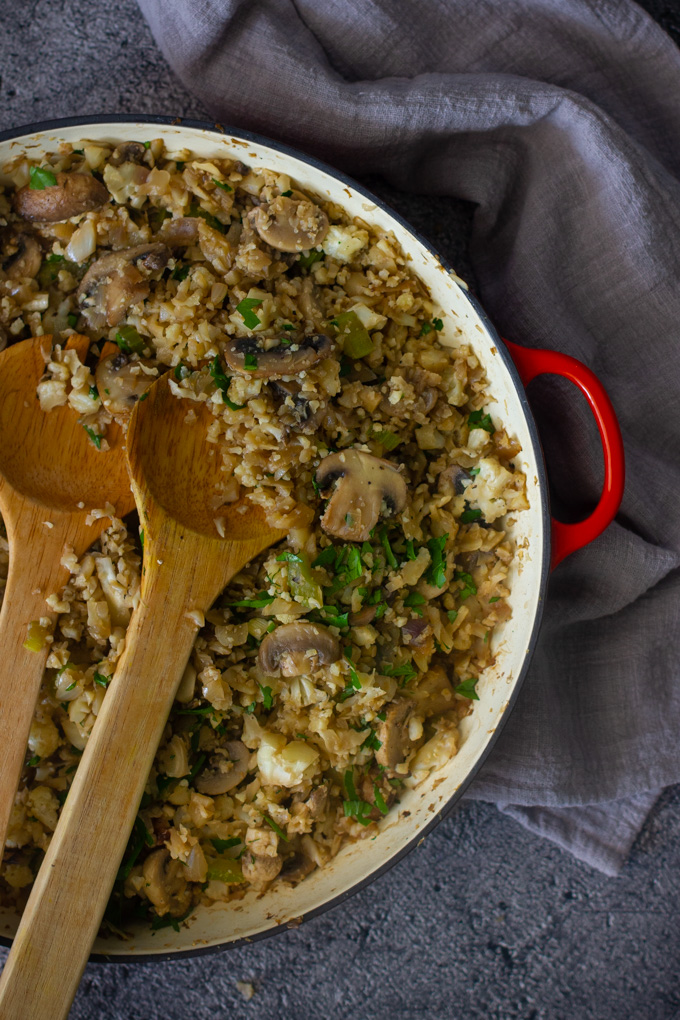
column 259, row 870
column 393, row 733
column 277, row 356
column 226, row 769
column 118, row 280
column 297, row 648
column 72, row 195
column 25, row 259
column 165, row 884
column 364, row 485
column 128, row 152
column 120, row 382
column 294, row 408
column 292, row 223
column 296, row 867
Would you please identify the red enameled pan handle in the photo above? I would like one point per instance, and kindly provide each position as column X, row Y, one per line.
column 567, row 538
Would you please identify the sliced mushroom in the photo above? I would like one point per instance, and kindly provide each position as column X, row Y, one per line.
column 297, row 648
column 128, row 152
column 165, row 884
column 274, row 357
column 434, row 693
column 296, row 867
column 260, row 870
column 366, row 788
column 291, row 224
column 452, row 480
column 180, row 231
column 121, row 382
column 118, row 280
column 227, row 767
column 417, row 633
column 364, row 616
column 295, row 409
column 72, row 195
column 393, row 734
column 366, row 487
column 22, row 258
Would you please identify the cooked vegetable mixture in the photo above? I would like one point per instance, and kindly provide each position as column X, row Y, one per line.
column 335, row 668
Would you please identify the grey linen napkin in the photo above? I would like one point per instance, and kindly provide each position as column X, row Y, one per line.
column 561, row 122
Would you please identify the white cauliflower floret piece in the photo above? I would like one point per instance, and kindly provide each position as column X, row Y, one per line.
column 282, row 763
column 488, row 489
column 343, row 243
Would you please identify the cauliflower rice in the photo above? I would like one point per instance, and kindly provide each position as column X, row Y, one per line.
column 333, row 671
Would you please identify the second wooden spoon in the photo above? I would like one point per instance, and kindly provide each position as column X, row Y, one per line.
column 176, row 476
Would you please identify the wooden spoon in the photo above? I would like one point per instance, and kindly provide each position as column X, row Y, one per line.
column 176, row 474
column 51, row 476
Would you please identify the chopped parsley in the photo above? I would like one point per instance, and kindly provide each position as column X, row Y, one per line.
column 222, row 184
column 181, row 371
column 267, row 699
column 224, row 844
column 410, row 551
column 180, row 272
column 250, row 362
column 330, row 616
column 94, row 393
column 495, row 598
column 371, row 742
column 452, row 615
column 308, row 260
column 71, row 320
column 222, row 382
column 436, row 572
column 438, row 324
column 353, row 806
column 277, row 828
column 167, row 921
column 414, row 601
column 479, row 420
column 245, row 308
column 404, row 673
column 474, row 471
column 141, row 537
column 389, row 554
column 258, row 602
column 41, row 178
column 468, row 515
column 101, row 679
column 467, row 688
column 33, row 761
column 469, row 586
column 97, row 440
column 427, row 327
column 286, row 194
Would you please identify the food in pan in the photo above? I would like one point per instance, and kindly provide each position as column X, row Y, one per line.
column 333, row 671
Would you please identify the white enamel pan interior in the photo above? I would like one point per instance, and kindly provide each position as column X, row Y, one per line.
column 464, row 322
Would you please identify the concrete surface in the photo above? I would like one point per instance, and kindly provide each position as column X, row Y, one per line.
column 482, row 921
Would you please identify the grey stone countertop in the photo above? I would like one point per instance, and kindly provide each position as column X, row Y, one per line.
column 483, row 920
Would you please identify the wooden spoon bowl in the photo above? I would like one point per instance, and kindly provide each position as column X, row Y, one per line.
column 51, row 476
column 177, row 478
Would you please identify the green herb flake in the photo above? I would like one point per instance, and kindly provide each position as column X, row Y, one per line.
column 97, row 440
column 389, row 554
column 94, row 393
column 180, row 272
column 286, row 194
column 101, row 679
column 438, row 324
column 277, row 828
column 250, row 319
column 308, row 260
column 404, row 673
column 436, row 572
column 469, row 586
column 260, row 600
column 141, row 537
column 222, row 382
column 147, row 145
column 222, row 184
column 479, row 420
column 379, row 800
column 467, row 688
column 414, row 601
column 371, row 743
column 41, row 178
column 167, row 921
column 474, row 471
column 250, row 362
column 32, row 762
column 224, row 844
column 71, row 686
column 468, row 516
column 71, row 320
column 452, row 615
column 267, row 699
column 495, row 598
column 410, row 550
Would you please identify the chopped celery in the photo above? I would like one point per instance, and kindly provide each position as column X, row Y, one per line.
column 225, row 869
column 356, row 343
column 36, row 638
column 129, row 340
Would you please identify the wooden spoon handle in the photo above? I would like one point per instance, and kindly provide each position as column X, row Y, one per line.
column 35, row 572
column 70, row 894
